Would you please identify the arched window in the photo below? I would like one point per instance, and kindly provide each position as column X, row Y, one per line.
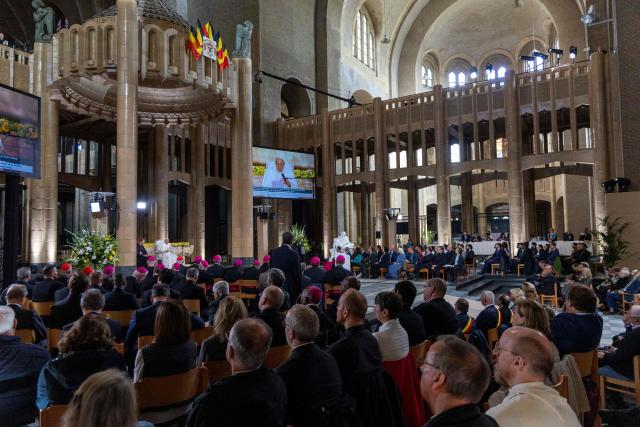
column 363, row 39
column 502, row 71
column 427, row 77
column 462, row 78
column 491, row 74
column 452, row 79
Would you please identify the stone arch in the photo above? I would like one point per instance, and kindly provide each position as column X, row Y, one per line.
column 429, row 60
column 295, row 100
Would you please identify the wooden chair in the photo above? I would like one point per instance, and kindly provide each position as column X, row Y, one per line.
column 234, row 289
column 553, row 299
column 193, row 305
column 123, row 317
column 145, row 340
column 276, row 356
column 199, row 335
column 562, row 387
column 248, row 290
column 53, row 336
column 27, row 304
column 173, row 389
column 495, row 268
column 42, row 308
column 52, row 416
column 419, row 352
column 424, row 271
column 624, row 302
column 520, row 268
column 120, row 347
column 217, row 369
column 587, row 364
column 492, row 337
column 329, row 291
column 27, row 336
column 355, row 269
column 630, row 388
column 383, row 272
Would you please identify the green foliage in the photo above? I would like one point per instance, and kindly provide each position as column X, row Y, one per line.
column 430, row 236
column 300, row 237
column 611, row 240
column 93, row 249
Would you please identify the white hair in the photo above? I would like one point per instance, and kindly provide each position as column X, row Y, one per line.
column 221, row 287
column 489, row 296
column 7, row 317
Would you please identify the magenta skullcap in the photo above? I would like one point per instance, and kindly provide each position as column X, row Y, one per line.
column 204, row 263
column 176, row 266
column 160, row 266
column 256, row 262
column 315, row 261
column 340, row 259
column 237, row 262
column 315, row 292
column 197, row 259
column 266, row 258
column 151, row 258
column 142, row 270
column 217, row 258
column 108, row 270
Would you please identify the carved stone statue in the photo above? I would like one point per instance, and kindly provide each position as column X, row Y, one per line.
column 44, row 18
column 243, row 40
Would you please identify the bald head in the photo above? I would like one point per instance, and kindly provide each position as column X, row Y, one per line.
column 272, row 297
column 249, row 341
column 533, row 350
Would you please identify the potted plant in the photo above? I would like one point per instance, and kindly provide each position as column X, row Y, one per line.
column 610, row 237
column 90, row 248
column 300, row 238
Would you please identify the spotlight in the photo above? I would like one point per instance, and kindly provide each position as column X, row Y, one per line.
column 95, row 207
column 474, row 72
column 544, row 56
column 558, row 52
column 141, row 205
column 527, row 58
column 609, row 186
column 573, row 52
column 623, row 184
column 589, row 17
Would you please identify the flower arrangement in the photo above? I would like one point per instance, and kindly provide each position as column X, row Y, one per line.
column 89, row 248
column 259, row 169
column 304, row 173
column 300, row 238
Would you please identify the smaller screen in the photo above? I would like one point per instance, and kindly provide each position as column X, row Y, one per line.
column 19, row 133
column 283, row 174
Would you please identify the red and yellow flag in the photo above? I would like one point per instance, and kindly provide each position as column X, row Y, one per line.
column 220, row 52
column 225, row 59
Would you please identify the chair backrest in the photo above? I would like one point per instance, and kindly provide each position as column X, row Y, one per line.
column 562, row 387
column 587, row 364
column 123, row 317
column 199, row 335
column 193, row 305
column 120, row 347
column 217, row 369
column 43, row 308
column 145, row 340
column 170, row 390
column 53, row 336
column 248, row 289
column 52, row 416
column 276, row 356
column 492, row 337
column 27, row 336
column 419, row 351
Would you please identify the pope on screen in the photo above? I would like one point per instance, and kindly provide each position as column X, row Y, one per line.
column 279, row 175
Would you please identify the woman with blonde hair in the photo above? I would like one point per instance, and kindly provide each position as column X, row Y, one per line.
column 530, row 292
column 514, row 295
column 531, row 314
column 105, row 399
column 231, row 310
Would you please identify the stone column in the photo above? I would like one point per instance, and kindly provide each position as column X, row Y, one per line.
column 392, row 236
column 43, row 225
column 529, row 203
column 327, row 190
column 127, row 131
column 263, row 238
column 553, row 197
column 466, row 191
column 514, row 152
column 482, row 214
column 381, row 164
column 598, row 120
column 365, row 214
column 241, row 166
column 197, row 186
column 442, row 180
column 160, row 202
column 412, row 207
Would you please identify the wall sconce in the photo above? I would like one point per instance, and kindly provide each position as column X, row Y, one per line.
column 623, row 184
column 609, row 186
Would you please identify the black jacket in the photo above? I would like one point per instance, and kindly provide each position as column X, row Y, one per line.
column 119, row 299
column 164, row 360
column 231, row 274
column 276, row 322
column 189, row 290
column 132, row 286
column 114, row 328
column 336, row 275
column 28, row 319
column 412, row 323
column 288, row 260
column 438, row 318
column 215, row 271
column 462, row 416
column 327, row 334
column 312, row 377
column 622, row 359
column 254, row 398
column 315, row 275
column 576, row 333
column 66, row 311
column 487, row 319
column 45, row 290
column 250, row 273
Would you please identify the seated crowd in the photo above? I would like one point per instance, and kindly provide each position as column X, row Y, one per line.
column 402, row 362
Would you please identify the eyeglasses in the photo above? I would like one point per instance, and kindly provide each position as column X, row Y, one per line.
column 424, row 362
column 497, row 349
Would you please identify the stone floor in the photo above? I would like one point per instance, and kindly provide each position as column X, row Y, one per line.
column 612, row 324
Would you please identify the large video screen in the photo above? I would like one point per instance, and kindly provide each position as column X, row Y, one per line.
column 19, row 133
column 282, row 174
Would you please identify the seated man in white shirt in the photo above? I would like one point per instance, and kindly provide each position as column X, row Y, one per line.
column 392, row 338
column 523, row 361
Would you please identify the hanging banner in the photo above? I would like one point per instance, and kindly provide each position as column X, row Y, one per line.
column 209, row 48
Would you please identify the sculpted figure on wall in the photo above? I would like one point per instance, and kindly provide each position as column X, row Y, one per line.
column 43, row 17
column 243, row 40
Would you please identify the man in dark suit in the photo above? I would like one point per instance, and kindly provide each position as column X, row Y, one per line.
column 141, row 253
column 68, row 310
column 438, row 317
column 252, row 272
column 579, row 328
column 165, row 277
column 618, row 362
column 45, row 290
column 27, row 319
column 24, row 277
column 216, row 270
column 134, row 282
column 327, row 334
column 456, row 266
column 287, row 260
column 312, row 376
column 144, row 319
column 315, row 273
column 92, row 303
column 119, row 299
column 204, row 277
column 220, row 291
column 190, row 290
column 270, row 302
column 409, row 320
column 384, row 260
column 338, row 273
column 253, row 395
column 489, row 317
column 439, row 260
column 231, row 274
